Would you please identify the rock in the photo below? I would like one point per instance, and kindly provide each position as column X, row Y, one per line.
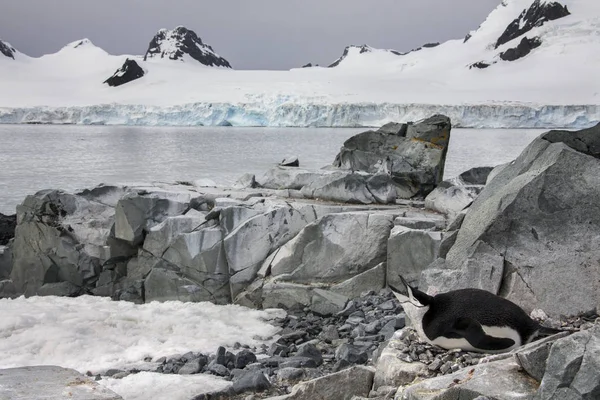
column 5, row 262
column 523, row 49
column 218, row 369
column 163, row 285
column 160, row 237
column 200, row 258
column 8, row 224
column 327, row 242
column 352, row 354
column 60, row 237
column 429, row 221
column 454, row 195
column 496, row 380
column 192, row 366
column 251, row 381
column 280, row 177
column 325, row 302
column 309, row 350
column 290, row 375
column 266, row 233
column 7, row 50
column 180, row 42
column 533, row 356
column 338, row 386
column 329, row 333
column 409, row 253
column 136, row 213
column 545, row 223
column 129, row 71
column 51, row 383
column 382, row 188
column 536, row 15
column 573, row 368
column 290, row 162
column 246, row 181
column 340, row 187
column 392, row 371
column 66, row 289
column 415, row 162
column 393, row 128
column 243, row 358
column 7, row 289
column 372, row 279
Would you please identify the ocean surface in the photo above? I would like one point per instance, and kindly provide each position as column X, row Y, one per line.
column 36, row 157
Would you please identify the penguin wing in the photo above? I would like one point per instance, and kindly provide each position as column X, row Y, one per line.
column 473, row 332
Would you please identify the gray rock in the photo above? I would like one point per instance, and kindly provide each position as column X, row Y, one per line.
column 326, row 242
column 280, row 177
column 352, row 354
column 450, row 198
column 475, row 176
column 382, row 188
column 164, row 285
column 573, row 368
column 161, row 236
column 5, row 262
column 325, row 302
column 345, row 187
column 544, row 223
column 66, row 289
column 7, row 289
column 266, row 232
column 136, row 213
column 533, row 356
column 192, row 366
column 338, row 386
column 290, row 375
column 298, row 362
column 246, row 181
column 373, row 279
column 497, row 380
column 415, row 161
column 51, row 383
column 290, row 162
column 393, row 128
column 448, row 240
column 309, row 350
column 392, row 371
column 329, row 333
column 244, row 358
column 251, row 381
column 218, row 369
column 410, row 251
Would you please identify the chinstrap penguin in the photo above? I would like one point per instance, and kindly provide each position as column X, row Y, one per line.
column 469, row 319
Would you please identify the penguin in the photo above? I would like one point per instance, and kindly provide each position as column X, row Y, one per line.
column 469, row 319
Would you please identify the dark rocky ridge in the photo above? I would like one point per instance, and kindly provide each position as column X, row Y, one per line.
column 538, row 14
column 8, row 223
column 129, row 71
column 183, row 41
column 523, row 48
column 7, row 50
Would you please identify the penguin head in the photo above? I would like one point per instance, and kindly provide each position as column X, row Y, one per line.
column 411, row 295
column 415, row 305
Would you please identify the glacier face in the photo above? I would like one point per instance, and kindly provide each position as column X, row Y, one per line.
column 293, row 114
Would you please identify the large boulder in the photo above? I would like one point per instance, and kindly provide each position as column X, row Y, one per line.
column 532, row 234
column 414, row 157
column 60, row 237
column 453, row 195
column 573, row 368
column 334, row 248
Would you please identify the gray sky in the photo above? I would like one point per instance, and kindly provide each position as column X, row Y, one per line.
column 250, row 34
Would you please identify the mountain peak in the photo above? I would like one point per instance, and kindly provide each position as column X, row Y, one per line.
column 175, row 44
column 7, row 50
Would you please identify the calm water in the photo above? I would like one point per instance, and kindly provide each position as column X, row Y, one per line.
column 35, row 157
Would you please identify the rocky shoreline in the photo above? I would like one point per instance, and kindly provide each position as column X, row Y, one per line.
column 324, row 245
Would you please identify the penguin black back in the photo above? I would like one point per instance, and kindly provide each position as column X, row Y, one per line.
column 477, row 305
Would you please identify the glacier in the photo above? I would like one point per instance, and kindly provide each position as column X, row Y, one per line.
column 294, row 114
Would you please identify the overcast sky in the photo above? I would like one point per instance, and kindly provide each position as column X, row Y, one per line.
column 250, row 34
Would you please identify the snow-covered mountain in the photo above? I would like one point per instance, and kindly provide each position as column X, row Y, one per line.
column 181, row 44
column 531, row 63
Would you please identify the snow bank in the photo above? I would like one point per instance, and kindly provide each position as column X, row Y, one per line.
column 292, row 114
column 94, row 333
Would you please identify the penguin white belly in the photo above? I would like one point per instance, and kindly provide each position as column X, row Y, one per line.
column 495, row 331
